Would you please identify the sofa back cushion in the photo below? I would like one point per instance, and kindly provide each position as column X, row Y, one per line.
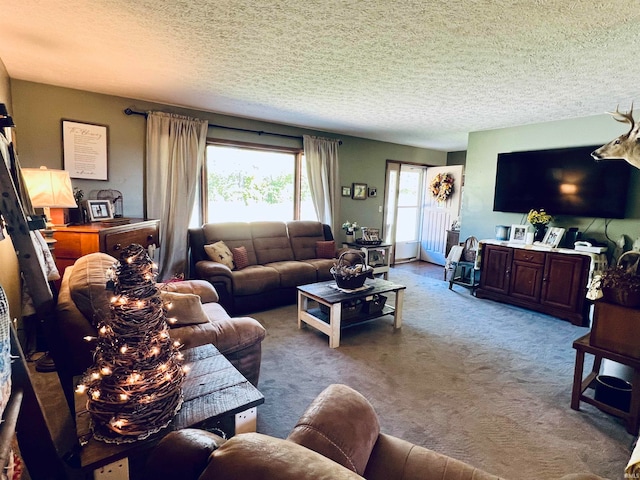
column 271, row 242
column 88, row 286
column 304, row 235
column 234, row 235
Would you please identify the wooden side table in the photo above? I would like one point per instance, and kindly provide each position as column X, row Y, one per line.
column 582, row 346
column 215, row 394
column 376, row 256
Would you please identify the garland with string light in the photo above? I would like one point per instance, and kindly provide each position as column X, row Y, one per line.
column 134, row 388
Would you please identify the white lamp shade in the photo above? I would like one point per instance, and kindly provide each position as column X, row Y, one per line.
column 49, row 188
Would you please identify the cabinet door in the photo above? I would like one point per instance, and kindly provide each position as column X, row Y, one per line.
column 496, row 268
column 526, row 275
column 564, row 282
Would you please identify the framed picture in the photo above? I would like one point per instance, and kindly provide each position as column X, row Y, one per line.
column 98, row 210
column 371, row 234
column 84, row 148
column 346, row 191
column 373, row 192
column 553, row 236
column 359, row 191
column 518, row 233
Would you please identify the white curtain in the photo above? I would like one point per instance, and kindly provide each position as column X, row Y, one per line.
column 321, row 155
column 175, row 153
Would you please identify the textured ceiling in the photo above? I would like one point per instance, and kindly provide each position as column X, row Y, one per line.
column 414, row 72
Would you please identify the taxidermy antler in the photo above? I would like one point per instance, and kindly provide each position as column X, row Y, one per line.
column 625, row 147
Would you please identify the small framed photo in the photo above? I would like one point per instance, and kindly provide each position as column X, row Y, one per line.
column 371, row 234
column 518, row 233
column 98, row 210
column 346, row 191
column 359, row 191
column 373, row 192
column 553, row 236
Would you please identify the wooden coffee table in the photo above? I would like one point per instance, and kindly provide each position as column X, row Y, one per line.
column 330, row 322
column 216, row 397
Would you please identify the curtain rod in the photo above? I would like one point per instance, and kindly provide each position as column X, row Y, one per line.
column 129, row 111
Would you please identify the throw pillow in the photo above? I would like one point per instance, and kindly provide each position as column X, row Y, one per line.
column 240, row 257
column 185, row 308
column 326, row 249
column 219, row 252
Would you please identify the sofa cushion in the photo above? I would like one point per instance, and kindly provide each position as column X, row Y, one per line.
column 271, row 242
column 303, row 236
column 323, row 267
column 240, row 257
column 219, row 252
column 255, row 279
column 183, row 308
column 88, row 286
column 294, row 273
column 234, row 234
column 326, row 249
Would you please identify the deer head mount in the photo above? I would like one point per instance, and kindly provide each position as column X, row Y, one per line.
column 626, row 146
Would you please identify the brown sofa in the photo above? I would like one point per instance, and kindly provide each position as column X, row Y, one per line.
column 338, row 437
column 83, row 300
column 281, row 256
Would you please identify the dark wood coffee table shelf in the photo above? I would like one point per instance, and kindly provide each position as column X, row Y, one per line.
column 331, row 323
column 215, row 395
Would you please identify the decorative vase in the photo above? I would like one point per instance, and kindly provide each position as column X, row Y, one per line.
column 540, row 230
column 351, row 238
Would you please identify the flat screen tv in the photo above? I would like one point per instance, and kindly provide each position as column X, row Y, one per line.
column 566, row 181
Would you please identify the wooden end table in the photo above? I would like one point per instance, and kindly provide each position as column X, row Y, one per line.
column 582, row 346
column 215, row 394
column 325, row 293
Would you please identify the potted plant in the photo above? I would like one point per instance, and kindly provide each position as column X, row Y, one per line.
column 621, row 285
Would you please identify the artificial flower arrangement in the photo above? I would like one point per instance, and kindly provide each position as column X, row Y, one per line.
column 541, row 217
column 350, row 227
column 441, row 186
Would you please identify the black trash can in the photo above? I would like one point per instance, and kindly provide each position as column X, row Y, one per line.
column 613, row 391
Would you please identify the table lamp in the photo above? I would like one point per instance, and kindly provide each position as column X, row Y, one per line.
column 52, row 191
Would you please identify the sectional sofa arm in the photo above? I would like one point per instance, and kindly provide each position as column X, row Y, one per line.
column 202, row 288
column 209, row 269
column 182, row 454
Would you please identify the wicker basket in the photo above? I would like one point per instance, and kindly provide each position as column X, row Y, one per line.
column 344, row 271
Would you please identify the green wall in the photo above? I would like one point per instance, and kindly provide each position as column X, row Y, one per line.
column 478, row 217
column 40, row 108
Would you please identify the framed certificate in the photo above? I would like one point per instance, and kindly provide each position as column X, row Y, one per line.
column 84, row 148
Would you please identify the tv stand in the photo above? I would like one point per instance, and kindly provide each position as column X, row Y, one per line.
column 551, row 281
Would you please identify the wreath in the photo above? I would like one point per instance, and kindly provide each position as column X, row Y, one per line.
column 441, row 186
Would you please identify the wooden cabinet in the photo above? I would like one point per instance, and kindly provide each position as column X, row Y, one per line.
column 75, row 241
column 550, row 282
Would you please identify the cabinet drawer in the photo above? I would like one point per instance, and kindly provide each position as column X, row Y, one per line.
column 115, row 242
column 529, row 256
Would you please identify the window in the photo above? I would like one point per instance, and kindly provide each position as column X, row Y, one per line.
column 246, row 183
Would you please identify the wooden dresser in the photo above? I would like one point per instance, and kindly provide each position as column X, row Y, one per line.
column 75, row 241
column 551, row 281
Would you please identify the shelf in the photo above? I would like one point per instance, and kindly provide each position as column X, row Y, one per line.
column 356, row 320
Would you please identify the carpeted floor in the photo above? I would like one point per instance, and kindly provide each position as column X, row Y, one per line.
column 487, row 383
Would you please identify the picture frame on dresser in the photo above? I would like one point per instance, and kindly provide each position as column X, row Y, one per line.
column 553, row 237
column 518, row 233
column 98, row 210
